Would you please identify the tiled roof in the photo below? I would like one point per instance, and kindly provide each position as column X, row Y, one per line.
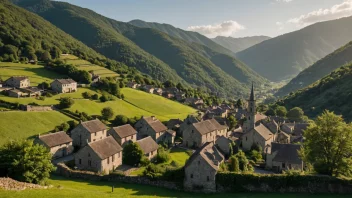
column 55, row 139
column 19, row 78
column 106, row 147
column 147, row 144
column 124, row 131
column 94, row 126
column 65, row 81
column 263, row 131
column 209, row 153
column 204, row 127
column 286, row 153
column 155, row 124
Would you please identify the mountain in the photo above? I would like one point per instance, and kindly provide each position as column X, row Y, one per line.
column 333, row 92
column 239, row 44
column 151, row 51
column 193, row 37
column 283, row 57
column 319, row 69
column 26, row 35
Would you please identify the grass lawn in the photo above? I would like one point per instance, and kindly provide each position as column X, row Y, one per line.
column 79, row 188
column 87, row 66
column 36, row 73
column 18, row 125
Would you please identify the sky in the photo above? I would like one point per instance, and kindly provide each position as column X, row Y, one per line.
column 235, row 18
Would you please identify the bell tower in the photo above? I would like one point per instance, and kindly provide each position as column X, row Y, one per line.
column 251, row 112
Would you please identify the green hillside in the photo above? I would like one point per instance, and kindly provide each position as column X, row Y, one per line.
column 239, row 44
column 193, row 37
column 21, row 125
column 283, row 57
column 333, row 92
column 319, row 69
column 150, row 51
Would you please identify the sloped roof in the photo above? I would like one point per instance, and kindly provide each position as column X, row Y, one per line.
column 55, row 139
column 286, row 153
column 94, row 126
column 217, row 125
column 124, row 130
column 263, row 131
column 171, row 132
column 299, row 128
column 209, row 153
column 106, row 147
column 204, row 127
column 19, row 78
column 155, row 124
column 147, row 144
column 259, row 117
column 65, row 81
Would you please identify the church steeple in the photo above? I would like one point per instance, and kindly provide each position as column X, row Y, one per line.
column 251, row 112
column 251, row 98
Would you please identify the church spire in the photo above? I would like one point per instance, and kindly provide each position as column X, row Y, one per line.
column 251, row 98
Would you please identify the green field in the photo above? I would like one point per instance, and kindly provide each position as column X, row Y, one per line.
column 19, row 125
column 79, row 188
column 87, row 66
column 36, row 73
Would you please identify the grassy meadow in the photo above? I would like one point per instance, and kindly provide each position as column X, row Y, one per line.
column 79, row 188
column 87, row 66
column 21, row 125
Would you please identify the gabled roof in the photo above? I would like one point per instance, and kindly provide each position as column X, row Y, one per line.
column 18, row 78
column 171, row 132
column 286, row 153
column 204, row 127
column 106, row 147
column 299, row 128
column 124, row 130
column 209, row 153
column 55, row 139
column 217, row 125
column 263, row 131
column 94, row 126
column 155, row 124
column 147, row 144
column 65, row 81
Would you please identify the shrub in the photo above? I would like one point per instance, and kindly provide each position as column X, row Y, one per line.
column 66, row 102
column 95, row 97
column 162, row 156
column 256, row 156
column 132, row 154
column 86, row 95
column 107, row 113
column 153, row 171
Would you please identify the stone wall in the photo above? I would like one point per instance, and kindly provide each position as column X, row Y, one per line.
column 65, row 171
column 36, row 108
column 10, row 184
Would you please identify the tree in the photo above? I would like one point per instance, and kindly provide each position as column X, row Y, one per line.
column 296, row 114
column 234, row 165
column 120, row 120
column 44, row 85
column 26, row 161
column 179, row 86
column 168, row 84
column 66, row 102
column 239, row 103
column 107, row 113
column 46, row 56
column 328, row 145
column 132, row 154
column 63, row 127
column 162, row 155
column 281, row 111
column 232, row 122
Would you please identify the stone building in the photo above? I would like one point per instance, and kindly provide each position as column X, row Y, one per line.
column 89, row 131
column 284, row 157
column 18, row 82
column 260, row 136
column 197, row 134
column 149, row 147
column 100, row 156
column 59, row 143
column 201, row 169
column 223, row 143
column 150, row 126
column 64, row 86
column 123, row 134
column 282, row 138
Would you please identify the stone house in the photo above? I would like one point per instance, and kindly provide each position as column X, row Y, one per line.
column 223, row 143
column 132, row 85
column 288, row 127
column 272, row 126
column 149, row 147
column 18, row 82
column 282, row 138
column 180, row 96
column 150, row 126
column 59, row 143
column 284, row 157
column 148, row 88
column 100, row 156
column 197, row 134
column 158, row 91
column 174, row 124
column 123, row 134
column 201, row 169
column 89, row 131
column 15, row 93
column 168, row 137
column 64, row 85
column 259, row 135
column 168, row 95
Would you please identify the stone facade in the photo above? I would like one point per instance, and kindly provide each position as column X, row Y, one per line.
column 223, row 144
column 59, row 143
column 89, row 131
column 150, row 126
column 284, row 157
column 64, row 86
column 260, row 136
column 149, row 147
column 123, row 134
column 18, row 82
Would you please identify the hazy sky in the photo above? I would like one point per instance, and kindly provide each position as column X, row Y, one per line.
column 236, row 18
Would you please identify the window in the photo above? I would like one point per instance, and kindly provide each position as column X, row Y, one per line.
column 132, row 136
column 152, row 152
column 208, row 179
column 283, row 165
column 95, row 134
column 89, row 163
column 289, row 166
column 192, row 131
column 80, row 161
column 118, row 155
column 246, row 138
column 249, row 117
column 113, row 158
column 198, row 162
column 108, row 160
column 88, row 154
column 191, row 176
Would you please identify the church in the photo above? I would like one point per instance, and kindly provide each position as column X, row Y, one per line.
column 255, row 134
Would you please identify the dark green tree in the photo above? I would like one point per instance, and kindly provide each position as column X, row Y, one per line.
column 120, row 120
column 132, row 154
column 66, row 102
column 107, row 113
column 296, row 114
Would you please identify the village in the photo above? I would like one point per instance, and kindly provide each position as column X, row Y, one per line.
column 93, row 146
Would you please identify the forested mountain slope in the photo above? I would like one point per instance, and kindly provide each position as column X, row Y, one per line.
column 239, row 44
column 319, row 69
column 285, row 56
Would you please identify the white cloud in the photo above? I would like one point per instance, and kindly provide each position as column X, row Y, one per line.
column 226, row 28
column 286, row 1
column 337, row 11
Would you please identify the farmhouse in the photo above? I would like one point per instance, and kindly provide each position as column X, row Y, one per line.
column 100, row 156
column 89, row 131
column 18, row 82
column 284, row 157
column 15, row 93
column 59, row 143
column 150, row 126
column 201, row 169
column 260, row 136
column 149, row 147
column 64, row 86
column 123, row 134
column 197, row 134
